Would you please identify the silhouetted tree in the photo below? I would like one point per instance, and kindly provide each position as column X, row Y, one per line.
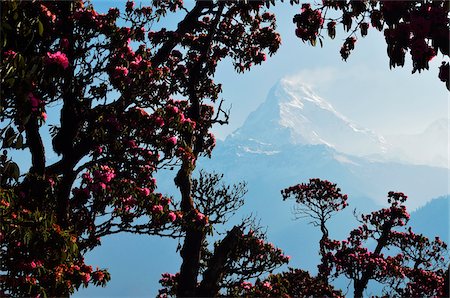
column 409, row 264
column 113, row 80
column 241, row 255
column 317, row 200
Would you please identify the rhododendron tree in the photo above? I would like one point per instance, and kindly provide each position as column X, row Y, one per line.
column 240, row 256
column 317, row 200
column 292, row 283
column 420, row 27
column 408, row 264
column 131, row 100
column 40, row 257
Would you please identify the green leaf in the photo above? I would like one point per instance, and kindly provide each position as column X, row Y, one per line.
column 10, row 135
column 27, row 237
column 9, row 71
column 15, row 172
column 10, row 81
column 63, row 257
column 19, row 142
column 40, row 28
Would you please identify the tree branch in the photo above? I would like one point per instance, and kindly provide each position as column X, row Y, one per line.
column 186, row 25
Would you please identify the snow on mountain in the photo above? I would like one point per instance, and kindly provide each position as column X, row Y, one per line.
column 431, row 146
column 294, row 114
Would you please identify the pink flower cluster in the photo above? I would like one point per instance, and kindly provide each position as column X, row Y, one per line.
column 57, row 58
column 201, row 218
column 308, row 22
column 246, row 285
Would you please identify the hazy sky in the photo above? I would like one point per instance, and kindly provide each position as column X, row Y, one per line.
column 364, row 88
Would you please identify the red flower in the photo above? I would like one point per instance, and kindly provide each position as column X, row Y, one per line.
column 172, row 141
column 58, row 58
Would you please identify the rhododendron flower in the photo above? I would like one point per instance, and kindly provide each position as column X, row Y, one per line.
column 145, row 191
column 10, row 53
column 58, row 58
column 120, row 71
column 157, row 209
column 201, row 217
column 98, row 275
column 135, row 64
column 190, row 122
column 86, row 277
column 48, row 13
column 172, row 216
column 98, row 150
column 159, row 121
column 131, row 144
column 246, row 285
column 172, row 141
column 172, row 109
column 33, row 264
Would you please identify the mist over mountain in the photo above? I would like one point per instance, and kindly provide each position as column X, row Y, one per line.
column 294, row 114
column 431, row 146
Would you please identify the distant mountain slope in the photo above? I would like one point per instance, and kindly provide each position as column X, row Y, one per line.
column 431, row 146
column 282, row 166
column 433, row 219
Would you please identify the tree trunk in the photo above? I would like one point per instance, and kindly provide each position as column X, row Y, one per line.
column 323, row 275
column 195, row 234
column 361, row 284
column 210, row 285
column 191, row 251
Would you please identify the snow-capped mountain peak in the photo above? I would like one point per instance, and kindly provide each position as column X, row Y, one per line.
column 293, row 113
